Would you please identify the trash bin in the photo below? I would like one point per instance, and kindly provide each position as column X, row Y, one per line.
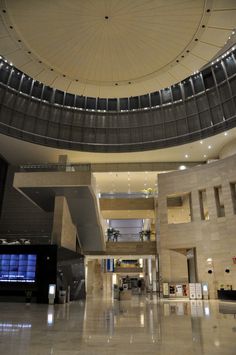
column 62, row 296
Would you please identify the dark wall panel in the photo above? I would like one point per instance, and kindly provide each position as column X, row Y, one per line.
column 46, row 273
column 19, row 215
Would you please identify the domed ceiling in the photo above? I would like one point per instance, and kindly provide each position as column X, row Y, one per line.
column 113, row 48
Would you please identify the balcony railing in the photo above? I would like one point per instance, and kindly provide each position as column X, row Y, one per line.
column 55, row 167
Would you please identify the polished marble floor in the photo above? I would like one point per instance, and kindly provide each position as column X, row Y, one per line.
column 139, row 326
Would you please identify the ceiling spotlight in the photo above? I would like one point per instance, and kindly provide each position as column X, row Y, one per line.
column 201, row 142
column 209, row 146
column 226, row 134
column 182, row 167
column 186, row 156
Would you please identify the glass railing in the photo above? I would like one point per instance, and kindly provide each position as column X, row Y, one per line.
column 127, row 195
column 55, row 167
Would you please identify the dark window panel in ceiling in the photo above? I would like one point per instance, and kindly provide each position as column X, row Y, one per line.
column 26, row 85
column 230, row 65
column 15, row 79
column 91, row 103
column 144, row 101
column 124, row 104
column 69, row 100
column 112, row 104
column 166, row 96
column 155, row 98
column 198, row 83
column 37, row 89
column 101, row 104
column 59, row 97
column 80, row 101
column 208, row 78
column 176, row 92
column 134, row 103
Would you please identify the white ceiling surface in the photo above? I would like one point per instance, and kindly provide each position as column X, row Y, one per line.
column 68, row 44
column 20, row 152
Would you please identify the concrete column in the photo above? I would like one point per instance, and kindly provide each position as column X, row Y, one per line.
column 94, row 278
column 227, row 199
column 107, row 285
column 64, row 231
column 196, row 215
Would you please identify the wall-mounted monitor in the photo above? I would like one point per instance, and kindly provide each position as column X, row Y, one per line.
column 18, row 268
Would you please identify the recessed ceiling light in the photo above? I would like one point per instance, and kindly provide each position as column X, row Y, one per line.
column 182, row 167
column 204, row 156
column 209, row 147
column 201, row 142
column 186, row 156
column 226, row 133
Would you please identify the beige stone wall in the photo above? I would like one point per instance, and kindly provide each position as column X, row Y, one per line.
column 64, row 231
column 214, row 238
column 94, row 282
column 178, row 215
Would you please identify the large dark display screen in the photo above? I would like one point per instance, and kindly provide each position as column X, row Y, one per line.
column 17, row 267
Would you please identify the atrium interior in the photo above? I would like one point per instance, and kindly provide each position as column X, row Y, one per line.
column 117, row 177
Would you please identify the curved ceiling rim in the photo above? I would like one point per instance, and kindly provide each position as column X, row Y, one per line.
column 121, row 90
column 229, row 52
column 83, row 147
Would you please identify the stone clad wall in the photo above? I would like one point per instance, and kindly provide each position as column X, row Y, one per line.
column 64, row 231
column 214, row 238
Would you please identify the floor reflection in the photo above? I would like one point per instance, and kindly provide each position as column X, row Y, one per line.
column 138, row 326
